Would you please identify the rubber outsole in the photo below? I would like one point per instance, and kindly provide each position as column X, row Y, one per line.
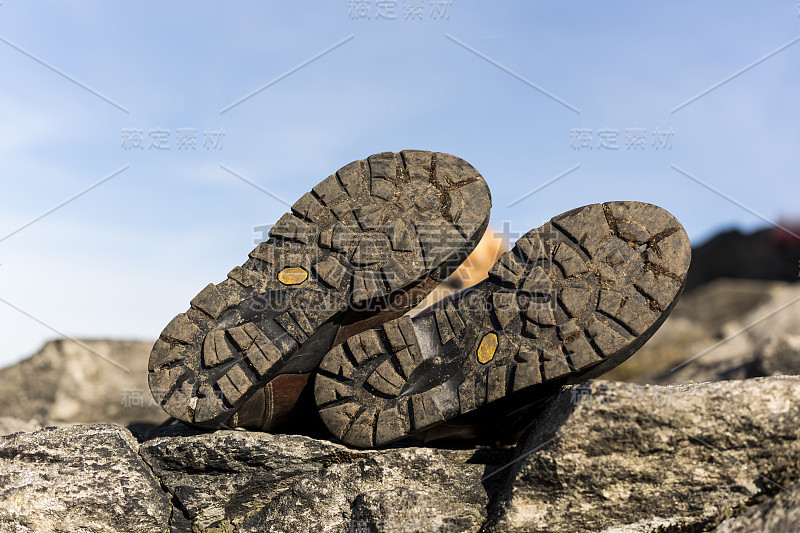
column 569, row 302
column 351, row 247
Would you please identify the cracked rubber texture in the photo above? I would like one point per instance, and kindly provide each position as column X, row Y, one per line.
column 355, row 242
column 572, row 300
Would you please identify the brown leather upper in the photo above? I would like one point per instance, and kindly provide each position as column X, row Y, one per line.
column 272, row 405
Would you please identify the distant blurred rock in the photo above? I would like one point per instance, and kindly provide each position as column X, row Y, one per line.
column 81, row 381
column 768, row 254
column 740, row 347
column 780, row 356
column 724, row 300
column 727, row 329
column 10, row 425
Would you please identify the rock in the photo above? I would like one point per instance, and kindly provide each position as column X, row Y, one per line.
column 780, row 356
column 626, row 458
column 605, row 457
column 740, row 343
column 732, row 254
column 380, row 493
column 779, row 314
column 80, row 478
column 720, row 331
column 402, row 509
column 724, row 300
column 781, row 513
column 241, row 481
column 9, row 424
column 81, row 382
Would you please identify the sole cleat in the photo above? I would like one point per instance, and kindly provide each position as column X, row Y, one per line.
column 362, row 247
column 572, row 299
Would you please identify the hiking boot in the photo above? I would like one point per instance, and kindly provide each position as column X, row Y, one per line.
column 573, row 299
column 285, row 402
column 363, row 247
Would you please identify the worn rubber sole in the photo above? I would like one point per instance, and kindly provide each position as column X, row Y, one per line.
column 569, row 302
column 364, row 243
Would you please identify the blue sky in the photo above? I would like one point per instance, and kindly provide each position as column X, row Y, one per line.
column 505, row 85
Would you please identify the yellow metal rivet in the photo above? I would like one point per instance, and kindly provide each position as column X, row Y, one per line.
column 487, row 348
column 292, row 276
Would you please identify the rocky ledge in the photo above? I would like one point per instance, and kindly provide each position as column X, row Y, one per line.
column 603, row 457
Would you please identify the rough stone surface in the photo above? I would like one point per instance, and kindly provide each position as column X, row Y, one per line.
column 69, row 381
column 239, row 481
column 621, row 457
column 779, row 514
column 606, row 457
column 80, row 478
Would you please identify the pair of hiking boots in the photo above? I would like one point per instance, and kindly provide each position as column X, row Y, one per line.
column 320, row 310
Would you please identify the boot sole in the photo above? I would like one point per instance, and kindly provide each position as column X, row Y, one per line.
column 570, row 301
column 353, row 247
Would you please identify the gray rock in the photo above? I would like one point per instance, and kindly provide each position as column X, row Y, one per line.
column 780, row 356
column 724, row 300
column 720, row 332
column 740, row 344
column 80, row 478
column 241, row 481
column 778, row 315
column 81, row 381
column 607, row 457
column 779, row 514
column 626, row 458
column 756, row 255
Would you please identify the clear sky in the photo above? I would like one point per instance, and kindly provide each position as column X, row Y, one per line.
column 690, row 105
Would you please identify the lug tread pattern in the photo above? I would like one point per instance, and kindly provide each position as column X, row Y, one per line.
column 380, row 361
column 371, row 229
column 583, row 291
